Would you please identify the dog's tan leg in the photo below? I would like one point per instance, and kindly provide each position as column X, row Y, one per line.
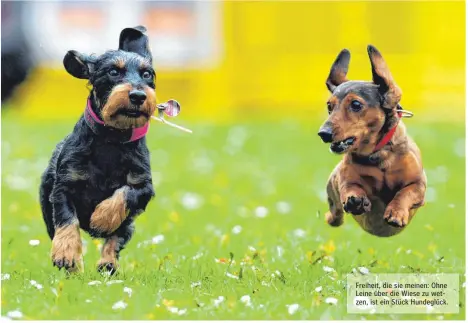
column 110, row 213
column 67, row 248
column 352, row 193
column 398, row 211
column 334, row 216
column 108, row 259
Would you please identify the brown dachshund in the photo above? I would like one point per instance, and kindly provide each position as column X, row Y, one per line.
column 380, row 180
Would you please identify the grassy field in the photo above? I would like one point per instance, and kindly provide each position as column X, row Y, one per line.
column 236, row 230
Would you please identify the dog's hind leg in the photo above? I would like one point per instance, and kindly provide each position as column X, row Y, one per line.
column 46, row 188
column 334, row 215
column 47, row 185
column 113, row 245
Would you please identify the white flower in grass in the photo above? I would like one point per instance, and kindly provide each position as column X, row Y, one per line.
column 35, row 284
column 283, row 207
column 94, row 282
column 331, row 300
column 128, row 290
column 232, row 276
column 218, row 301
column 292, row 308
column 191, row 201
column 328, row 269
column 280, row 251
column 88, row 301
column 252, row 249
column 120, row 305
column 16, row 314
column 195, row 284
column 34, row 242
column 197, row 256
column 111, row 282
column 237, row 229
column 318, row 289
column 299, row 233
column 246, row 300
column 5, row 276
column 157, row 239
column 173, row 310
column 261, row 211
column 363, row 270
column 182, row 311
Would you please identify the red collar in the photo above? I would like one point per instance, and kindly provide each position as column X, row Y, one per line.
column 389, row 134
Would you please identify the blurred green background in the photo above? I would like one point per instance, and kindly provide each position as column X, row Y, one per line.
column 236, row 230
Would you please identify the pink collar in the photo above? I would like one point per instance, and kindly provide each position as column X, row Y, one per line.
column 98, row 126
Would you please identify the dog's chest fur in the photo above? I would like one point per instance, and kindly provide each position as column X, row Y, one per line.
column 97, row 169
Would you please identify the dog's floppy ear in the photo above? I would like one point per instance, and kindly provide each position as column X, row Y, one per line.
column 381, row 76
column 339, row 70
column 77, row 64
column 134, row 40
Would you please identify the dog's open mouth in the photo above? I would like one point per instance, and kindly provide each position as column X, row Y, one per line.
column 131, row 113
column 340, row 147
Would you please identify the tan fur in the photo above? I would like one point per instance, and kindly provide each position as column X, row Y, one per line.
column 120, row 63
column 110, row 213
column 385, row 195
column 381, row 185
column 119, row 99
column 109, row 253
column 67, row 247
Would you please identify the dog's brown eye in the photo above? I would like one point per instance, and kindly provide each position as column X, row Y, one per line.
column 329, row 107
column 146, row 75
column 356, row 106
column 113, row 72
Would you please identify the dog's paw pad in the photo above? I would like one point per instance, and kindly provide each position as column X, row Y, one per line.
column 357, row 205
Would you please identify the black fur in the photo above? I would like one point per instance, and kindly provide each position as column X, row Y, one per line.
column 88, row 167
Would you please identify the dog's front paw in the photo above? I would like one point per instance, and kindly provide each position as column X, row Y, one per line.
column 67, row 249
column 107, row 266
column 396, row 216
column 110, row 213
column 357, row 205
column 334, row 220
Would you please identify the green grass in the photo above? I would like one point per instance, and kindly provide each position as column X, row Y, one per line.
column 229, row 171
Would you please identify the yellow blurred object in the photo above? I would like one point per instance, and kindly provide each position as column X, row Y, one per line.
column 277, row 55
column 328, row 247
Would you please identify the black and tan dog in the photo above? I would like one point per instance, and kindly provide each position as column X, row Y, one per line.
column 380, row 180
column 99, row 176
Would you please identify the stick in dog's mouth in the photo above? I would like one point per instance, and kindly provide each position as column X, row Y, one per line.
column 171, row 108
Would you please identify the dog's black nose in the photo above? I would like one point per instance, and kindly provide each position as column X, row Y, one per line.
column 326, row 134
column 137, row 97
